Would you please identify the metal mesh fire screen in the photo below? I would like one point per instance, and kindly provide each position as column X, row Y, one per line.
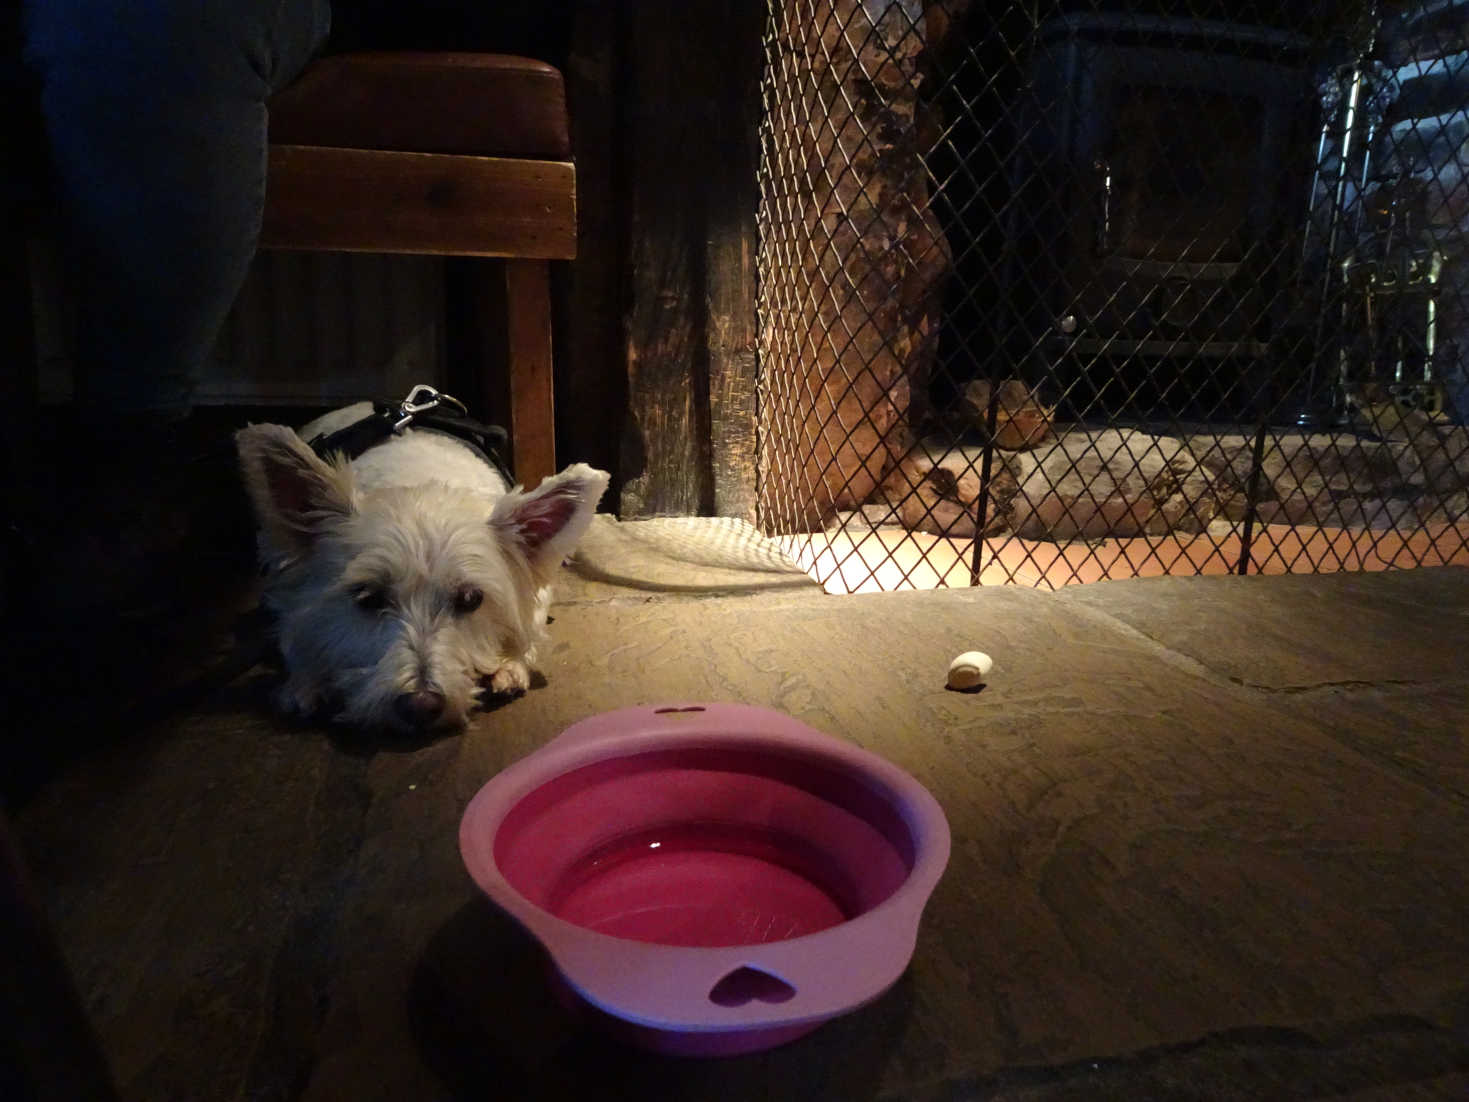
column 1057, row 292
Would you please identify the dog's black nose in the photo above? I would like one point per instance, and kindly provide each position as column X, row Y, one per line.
column 419, row 709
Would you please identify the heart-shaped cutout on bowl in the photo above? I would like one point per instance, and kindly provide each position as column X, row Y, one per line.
column 746, row 984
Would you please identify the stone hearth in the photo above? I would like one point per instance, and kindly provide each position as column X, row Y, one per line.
column 1095, row 483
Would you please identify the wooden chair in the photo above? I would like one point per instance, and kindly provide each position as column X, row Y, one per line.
column 444, row 154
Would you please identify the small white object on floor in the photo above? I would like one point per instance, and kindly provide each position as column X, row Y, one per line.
column 969, row 670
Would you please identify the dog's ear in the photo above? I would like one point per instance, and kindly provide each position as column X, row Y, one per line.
column 296, row 494
column 546, row 524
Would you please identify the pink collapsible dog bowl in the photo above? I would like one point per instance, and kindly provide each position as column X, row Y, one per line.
column 710, row 879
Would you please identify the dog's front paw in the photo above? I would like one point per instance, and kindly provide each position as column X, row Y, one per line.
column 299, row 698
column 511, row 679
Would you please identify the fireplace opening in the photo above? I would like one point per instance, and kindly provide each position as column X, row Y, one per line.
column 1162, row 157
column 1051, row 296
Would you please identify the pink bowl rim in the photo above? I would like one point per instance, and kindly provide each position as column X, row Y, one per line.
column 666, row 987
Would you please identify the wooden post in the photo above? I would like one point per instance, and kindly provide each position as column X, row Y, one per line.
column 591, row 376
column 691, row 73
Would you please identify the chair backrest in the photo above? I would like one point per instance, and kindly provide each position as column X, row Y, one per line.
column 483, row 105
column 443, row 154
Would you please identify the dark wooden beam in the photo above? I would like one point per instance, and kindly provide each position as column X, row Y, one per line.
column 731, row 246
column 591, row 379
column 691, row 72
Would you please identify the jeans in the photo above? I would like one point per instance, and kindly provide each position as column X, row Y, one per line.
column 155, row 116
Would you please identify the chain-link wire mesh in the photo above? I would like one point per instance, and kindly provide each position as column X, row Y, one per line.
column 1056, row 292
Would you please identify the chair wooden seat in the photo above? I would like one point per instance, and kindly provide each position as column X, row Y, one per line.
column 446, row 154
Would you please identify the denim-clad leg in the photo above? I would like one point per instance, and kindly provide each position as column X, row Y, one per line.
column 155, row 115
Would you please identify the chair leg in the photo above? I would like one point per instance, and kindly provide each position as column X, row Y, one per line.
column 532, row 401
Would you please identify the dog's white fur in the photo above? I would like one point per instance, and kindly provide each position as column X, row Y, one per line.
column 412, row 571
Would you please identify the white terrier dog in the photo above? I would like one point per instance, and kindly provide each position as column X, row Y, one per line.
column 411, row 579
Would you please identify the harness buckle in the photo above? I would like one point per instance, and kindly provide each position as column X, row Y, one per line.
column 421, row 399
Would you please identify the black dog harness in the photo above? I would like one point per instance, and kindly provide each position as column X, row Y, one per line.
column 424, row 408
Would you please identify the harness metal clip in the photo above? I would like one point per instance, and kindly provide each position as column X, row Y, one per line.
column 421, row 399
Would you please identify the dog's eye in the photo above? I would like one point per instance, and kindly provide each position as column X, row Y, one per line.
column 467, row 598
column 370, row 598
